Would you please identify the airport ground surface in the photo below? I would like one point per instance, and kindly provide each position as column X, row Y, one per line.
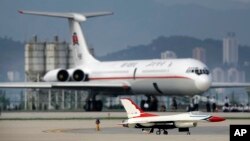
column 84, row 130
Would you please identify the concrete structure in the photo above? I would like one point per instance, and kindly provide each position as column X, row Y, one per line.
column 34, row 60
column 199, row 54
column 41, row 57
column 57, row 55
column 168, row 55
column 230, row 50
column 79, row 130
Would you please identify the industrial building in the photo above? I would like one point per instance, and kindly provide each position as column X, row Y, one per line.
column 199, row 53
column 230, row 50
column 41, row 57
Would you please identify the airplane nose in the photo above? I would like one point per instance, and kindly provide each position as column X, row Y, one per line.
column 216, row 119
column 203, row 82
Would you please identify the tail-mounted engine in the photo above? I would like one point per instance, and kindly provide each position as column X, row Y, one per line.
column 79, row 75
column 56, row 75
column 62, row 75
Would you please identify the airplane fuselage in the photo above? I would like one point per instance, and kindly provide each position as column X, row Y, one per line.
column 158, row 76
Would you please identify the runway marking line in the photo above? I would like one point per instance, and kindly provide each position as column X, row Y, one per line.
column 54, row 130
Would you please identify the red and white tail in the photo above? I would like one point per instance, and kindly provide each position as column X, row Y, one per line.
column 133, row 110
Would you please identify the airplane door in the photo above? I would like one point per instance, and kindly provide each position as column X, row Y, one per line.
column 157, row 88
column 134, row 75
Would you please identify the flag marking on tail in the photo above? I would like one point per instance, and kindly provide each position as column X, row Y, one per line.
column 75, row 39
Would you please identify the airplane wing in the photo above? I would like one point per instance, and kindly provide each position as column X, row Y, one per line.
column 66, row 85
column 229, row 85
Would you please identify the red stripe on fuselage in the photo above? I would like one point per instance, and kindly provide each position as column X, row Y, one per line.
column 138, row 77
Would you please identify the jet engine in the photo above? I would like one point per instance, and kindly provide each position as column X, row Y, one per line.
column 56, row 75
column 185, row 124
column 77, row 75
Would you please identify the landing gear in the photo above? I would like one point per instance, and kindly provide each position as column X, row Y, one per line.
column 158, row 132
column 148, row 130
column 185, row 130
column 152, row 130
column 165, row 132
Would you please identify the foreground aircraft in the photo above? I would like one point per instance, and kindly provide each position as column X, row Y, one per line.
column 137, row 118
column 149, row 77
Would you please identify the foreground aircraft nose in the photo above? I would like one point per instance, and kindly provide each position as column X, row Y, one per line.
column 203, row 82
column 216, row 119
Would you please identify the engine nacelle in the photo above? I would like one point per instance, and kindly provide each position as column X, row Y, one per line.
column 77, row 75
column 56, row 75
column 185, row 124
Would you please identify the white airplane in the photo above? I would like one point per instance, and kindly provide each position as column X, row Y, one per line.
column 155, row 76
column 137, row 118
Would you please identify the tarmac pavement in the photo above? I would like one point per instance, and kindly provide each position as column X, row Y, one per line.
column 84, row 130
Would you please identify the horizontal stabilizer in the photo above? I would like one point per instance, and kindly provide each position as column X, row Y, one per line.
column 76, row 16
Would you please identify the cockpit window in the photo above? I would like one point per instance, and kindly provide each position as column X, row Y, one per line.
column 198, row 71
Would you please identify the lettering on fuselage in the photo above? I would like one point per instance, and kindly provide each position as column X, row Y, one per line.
column 157, row 63
column 150, row 64
column 129, row 65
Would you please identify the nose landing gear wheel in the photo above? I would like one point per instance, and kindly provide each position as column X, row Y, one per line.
column 165, row 132
column 188, row 133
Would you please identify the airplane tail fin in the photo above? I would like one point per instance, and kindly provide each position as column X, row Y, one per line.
column 82, row 55
column 133, row 110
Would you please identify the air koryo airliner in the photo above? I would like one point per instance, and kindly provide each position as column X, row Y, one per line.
column 156, row 76
column 137, row 118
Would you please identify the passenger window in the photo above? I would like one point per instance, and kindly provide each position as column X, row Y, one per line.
column 204, row 71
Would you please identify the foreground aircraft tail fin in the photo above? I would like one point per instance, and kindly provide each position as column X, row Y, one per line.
column 82, row 55
column 134, row 110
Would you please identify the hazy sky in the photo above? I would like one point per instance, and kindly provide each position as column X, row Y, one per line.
column 111, row 33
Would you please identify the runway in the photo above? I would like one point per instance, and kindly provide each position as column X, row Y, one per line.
column 84, row 130
column 80, row 126
column 223, row 130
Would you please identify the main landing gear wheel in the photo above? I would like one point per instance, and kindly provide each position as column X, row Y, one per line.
column 158, row 132
column 188, row 133
column 165, row 132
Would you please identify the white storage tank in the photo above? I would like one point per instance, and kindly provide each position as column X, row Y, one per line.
column 56, row 55
column 34, row 56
